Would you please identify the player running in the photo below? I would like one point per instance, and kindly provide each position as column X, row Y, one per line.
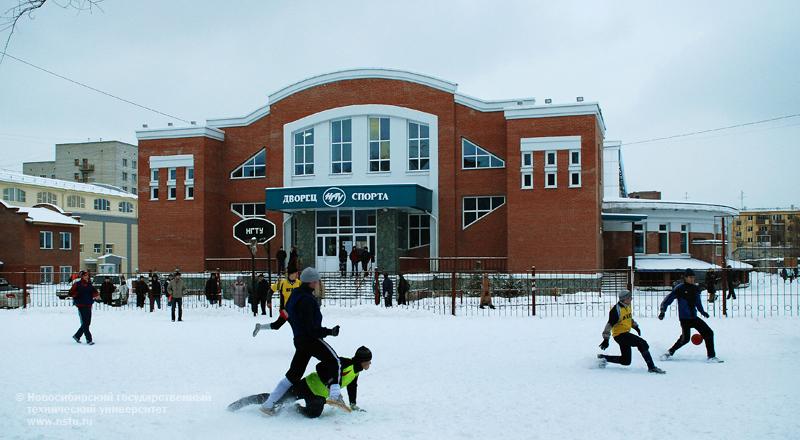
column 620, row 322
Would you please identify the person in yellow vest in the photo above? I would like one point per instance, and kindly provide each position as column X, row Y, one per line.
column 619, row 325
column 314, row 389
column 284, row 287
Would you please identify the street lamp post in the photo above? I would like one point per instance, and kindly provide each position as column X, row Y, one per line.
column 253, row 246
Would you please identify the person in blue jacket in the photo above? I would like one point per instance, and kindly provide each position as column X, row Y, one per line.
column 83, row 294
column 688, row 295
column 303, row 314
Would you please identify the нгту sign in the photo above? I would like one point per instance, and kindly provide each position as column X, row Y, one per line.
column 262, row 229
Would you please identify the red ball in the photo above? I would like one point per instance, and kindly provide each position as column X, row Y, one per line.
column 697, row 339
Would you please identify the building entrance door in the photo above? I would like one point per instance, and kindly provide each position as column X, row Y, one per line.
column 327, row 253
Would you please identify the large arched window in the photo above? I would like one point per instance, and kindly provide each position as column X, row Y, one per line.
column 102, row 205
column 13, row 195
column 46, row 197
column 75, row 201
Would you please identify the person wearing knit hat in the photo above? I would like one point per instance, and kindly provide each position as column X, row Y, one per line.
column 304, row 316
column 620, row 322
column 314, row 389
column 687, row 294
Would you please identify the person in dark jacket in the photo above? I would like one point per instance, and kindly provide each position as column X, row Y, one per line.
column 83, row 294
column 731, row 292
column 294, row 260
column 211, row 289
column 387, row 289
column 262, row 296
column 342, row 260
column 689, row 304
column 107, row 289
column 354, row 259
column 142, row 290
column 366, row 257
column 155, row 292
column 314, row 387
column 619, row 325
column 303, row 314
column 402, row 289
column 280, row 257
column 711, row 285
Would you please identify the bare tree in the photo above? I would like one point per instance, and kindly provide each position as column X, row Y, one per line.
column 9, row 19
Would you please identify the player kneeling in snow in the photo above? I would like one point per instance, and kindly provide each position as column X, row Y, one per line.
column 314, row 387
column 620, row 323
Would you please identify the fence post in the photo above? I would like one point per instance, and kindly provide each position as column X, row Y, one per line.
column 533, row 289
column 24, row 288
column 453, row 293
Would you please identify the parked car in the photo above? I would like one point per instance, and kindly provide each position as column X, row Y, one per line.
column 11, row 297
column 121, row 294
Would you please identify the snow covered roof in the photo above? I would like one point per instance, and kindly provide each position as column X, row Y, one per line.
column 103, row 257
column 12, row 177
column 678, row 264
column 670, row 205
column 44, row 215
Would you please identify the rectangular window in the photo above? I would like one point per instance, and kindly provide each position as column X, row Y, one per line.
column 77, row 162
column 125, row 188
column 418, row 147
column 172, row 174
column 527, row 181
column 124, row 176
column 154, row 175
column 81, row 247
column 419, row 230
column 66, row 240
column 574, row 179
column 342, row 146
column 575, row 158
column 102, row 205
column 245, row 210
column 685, row 239
column 663, row 239
column 526, row 170
column 97, row 248
column 45, row 240
column 639, row 238
column 475, row 208
column 133, row 164
column 379, row 154
column 189, row 192
column 47, row 274
column 172, row 193
column 551, row 159
column 65, row 273
column 133, row 190
column 13, row 195
column 76, row 176
column 153, row 193
column 550, row 179
column 527, row 159
column 749, row 239
column 124, row 162
column 304, row 152
column 190, row 174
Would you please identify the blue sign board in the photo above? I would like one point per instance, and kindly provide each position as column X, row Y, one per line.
column 350, row 196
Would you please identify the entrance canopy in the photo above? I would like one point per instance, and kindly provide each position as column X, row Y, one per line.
column 403, row 195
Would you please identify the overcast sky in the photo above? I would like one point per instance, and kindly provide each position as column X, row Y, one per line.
column 656, row 69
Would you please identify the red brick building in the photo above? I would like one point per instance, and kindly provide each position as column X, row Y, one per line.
column 42, row 240
column 395, row 161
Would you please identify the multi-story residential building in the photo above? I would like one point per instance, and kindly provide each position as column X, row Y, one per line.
column 107, row 162
column 109, row 216
column 767, row 227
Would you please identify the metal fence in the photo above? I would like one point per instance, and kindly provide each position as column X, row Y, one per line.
column 768, row 292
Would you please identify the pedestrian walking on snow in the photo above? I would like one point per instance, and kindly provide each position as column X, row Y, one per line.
column 176, row 291
column 155, row 292
column 83, row 294
column 387, row 289
column 142, row 290
column 689, row 305
column 619, row 325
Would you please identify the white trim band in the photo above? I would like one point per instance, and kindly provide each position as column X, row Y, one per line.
column 176, row 161
column 181, row 132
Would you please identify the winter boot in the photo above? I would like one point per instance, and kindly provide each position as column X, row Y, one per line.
column 601, row 361
column 656, row 370
column 256, row 330
column 714, row 360
column 666, row 356
column 77, row 339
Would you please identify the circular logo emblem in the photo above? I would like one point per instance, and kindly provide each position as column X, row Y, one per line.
column 334, row 197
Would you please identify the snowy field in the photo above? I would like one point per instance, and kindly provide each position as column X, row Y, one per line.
column 432, row 376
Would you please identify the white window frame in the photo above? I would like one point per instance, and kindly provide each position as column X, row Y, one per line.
column 244, row 206
column 664, row 232
column 97, row 248
column 526, row 170
column 109, row 248
column 172, row 175
column 259, row 170
column 187, row 189
column 340, row 145
column 379, row 143
column 419, row 139
column 13, row 195
column 478, row 154
column 103, row 205
column 305, row 163
column 480, row 213
column 547, row 155
column 644, row 237
column 547, row 180
column 154, row 175
column 125, row 207
column 61, row 236
column 575, row 168
column 190, row 180
column 573, row 164
column 685, row 237
column 76, row 201
column 417, row 230
column 575, row 173
column 64, row 275
column 47, row 197
column 47, row 237
column 154, row 193
column 172, row 192
column 46, row 273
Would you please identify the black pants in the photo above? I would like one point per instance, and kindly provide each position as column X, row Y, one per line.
column 354, row 266
column 305, row 349
column 731, row 293
column 686, row 329
column 343, row 268
column 626, row 341
column 179, row 302
column 155, row 300
column 86, row 320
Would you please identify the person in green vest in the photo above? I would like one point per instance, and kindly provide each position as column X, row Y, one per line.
column 315, row 387
column 619, row 325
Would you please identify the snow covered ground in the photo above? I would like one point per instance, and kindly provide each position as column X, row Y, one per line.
column 433, row 376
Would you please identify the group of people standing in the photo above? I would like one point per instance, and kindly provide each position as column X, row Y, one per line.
column 357, row 256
